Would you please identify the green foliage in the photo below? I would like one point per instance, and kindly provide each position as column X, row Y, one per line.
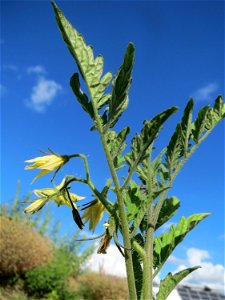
column 139, row 208
column 134, row 199
column 116, row 144
column 186, row 126
column 42, row 280
column 170, row 282
column 141, row 142
column 165, row 243
column 121, row 84
column 169, row 208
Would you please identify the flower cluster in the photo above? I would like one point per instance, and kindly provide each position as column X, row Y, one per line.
column 52, row 162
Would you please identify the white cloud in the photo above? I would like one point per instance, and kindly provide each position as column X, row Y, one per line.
column 211, row 275
column 111, row 263
column 38, row 69
column 206, row 93
column 43, row 94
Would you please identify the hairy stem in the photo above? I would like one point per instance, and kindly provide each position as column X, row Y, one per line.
column 147, row 290
column 122, row 214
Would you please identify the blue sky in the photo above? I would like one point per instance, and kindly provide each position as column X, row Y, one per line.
column 179, row 53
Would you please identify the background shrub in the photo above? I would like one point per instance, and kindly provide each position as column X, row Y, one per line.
column 21, row 248
column 95, row 286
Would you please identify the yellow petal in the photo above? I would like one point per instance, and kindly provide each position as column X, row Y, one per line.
column 53, row 163
column 44, row 192
column 93, row 214
column 75, row 197
column 42, row 173
column 35, row 206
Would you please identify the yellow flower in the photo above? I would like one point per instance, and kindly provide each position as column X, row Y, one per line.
column 47, row 163
column 55, row 194
column 93, row 214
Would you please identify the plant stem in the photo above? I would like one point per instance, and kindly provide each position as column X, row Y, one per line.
column 122, row 214
column 124, row 225
column 147, row 289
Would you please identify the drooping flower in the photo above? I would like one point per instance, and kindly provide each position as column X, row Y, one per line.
column 93, row 213
column 56, row 194
column 47, row 163
column 104, row 244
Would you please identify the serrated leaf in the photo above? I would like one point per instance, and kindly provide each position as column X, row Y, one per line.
column 133, row 197
column 138, row 272
column 174, row 150
column 219, row 107
column 121, row 84
column 116, row 145
column 169, row 208
column 81, row 96
column 141, row 142
column 165, row 243
column 171, row 281
column 91, row 69
column 200, row 124
column 186, row 126
column 155, row 166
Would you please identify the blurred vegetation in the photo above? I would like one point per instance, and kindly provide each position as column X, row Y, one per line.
column 37, row 262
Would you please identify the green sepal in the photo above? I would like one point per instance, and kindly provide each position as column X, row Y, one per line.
column 169, row 208
column 171, row 281
column 165, row 243
column 121, row 84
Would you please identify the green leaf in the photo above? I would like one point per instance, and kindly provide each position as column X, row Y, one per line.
column 91, row 69
column 121, row 84
column 169, row 208
column 174, row 150
column 141, row 142
column 200, row 124
column 171, row 281
column 137, row 261
column 116, row 145
column 81, row 97
column 186, row 126
column 165, row 243
column 219, row 107
column 215, row 114
column 134, row 199
column 155, row 167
